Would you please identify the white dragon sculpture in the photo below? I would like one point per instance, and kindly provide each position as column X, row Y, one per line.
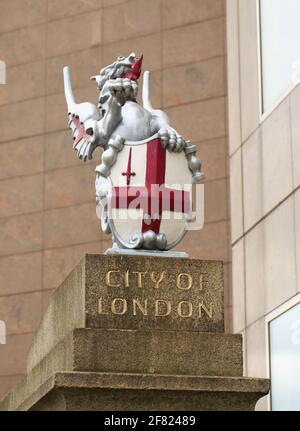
column 120, row 118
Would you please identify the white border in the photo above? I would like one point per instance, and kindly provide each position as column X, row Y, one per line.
column 263, row 115
column 259, row 62
column 268, row 318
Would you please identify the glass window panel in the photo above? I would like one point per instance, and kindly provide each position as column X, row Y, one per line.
column 280, row 47
column 284, row 333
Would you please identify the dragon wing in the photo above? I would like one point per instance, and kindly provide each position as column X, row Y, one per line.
column 83, row 121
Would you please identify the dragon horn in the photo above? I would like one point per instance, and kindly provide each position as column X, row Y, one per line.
column 96, row 78
column 68, row 88
column 135, row 71
column 137, row 67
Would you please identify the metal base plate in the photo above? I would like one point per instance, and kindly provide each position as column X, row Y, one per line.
column 141, row 252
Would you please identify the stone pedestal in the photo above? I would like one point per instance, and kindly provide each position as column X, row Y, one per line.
column 136, row 333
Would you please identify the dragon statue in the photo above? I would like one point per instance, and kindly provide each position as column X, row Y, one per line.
column 119, row 123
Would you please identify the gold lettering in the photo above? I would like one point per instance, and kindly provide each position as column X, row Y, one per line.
column 108, row 279
column 126, row 278
column 139, row 278
column 180, row 307
column 157, row 281
column 114, row 307
column 201, row 282
column 189, row 281
column 100, row 307
column 157, row 307
column 143, row 308
column 205, row 309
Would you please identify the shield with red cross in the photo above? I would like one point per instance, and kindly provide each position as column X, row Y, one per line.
column 150, row 194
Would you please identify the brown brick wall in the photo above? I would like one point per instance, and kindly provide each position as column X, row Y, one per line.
column 47, row 210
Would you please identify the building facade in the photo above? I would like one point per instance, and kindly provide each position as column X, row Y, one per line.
column 264, row 131
column 47, row 202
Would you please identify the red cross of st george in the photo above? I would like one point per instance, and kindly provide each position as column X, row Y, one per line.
column 154, row 197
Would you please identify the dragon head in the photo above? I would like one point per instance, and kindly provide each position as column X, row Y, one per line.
column 124, row 67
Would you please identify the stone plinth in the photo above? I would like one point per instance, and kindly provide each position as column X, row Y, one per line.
column 136, row 333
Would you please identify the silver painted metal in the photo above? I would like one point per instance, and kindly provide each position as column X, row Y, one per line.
column 109, row 156
column 119, row 251
column 118, row 122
